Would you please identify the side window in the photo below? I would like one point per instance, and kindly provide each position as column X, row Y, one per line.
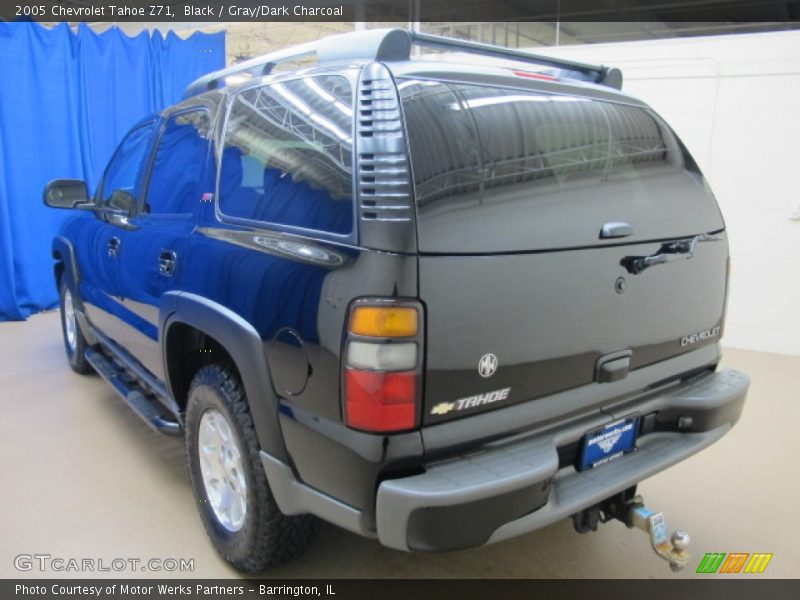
column 178, row 164
column 123, row 174
column 287, row 156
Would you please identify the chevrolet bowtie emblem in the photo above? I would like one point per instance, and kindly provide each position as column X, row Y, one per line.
column 443, row 408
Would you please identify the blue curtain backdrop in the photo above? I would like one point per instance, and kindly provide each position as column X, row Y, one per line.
column 66, row 100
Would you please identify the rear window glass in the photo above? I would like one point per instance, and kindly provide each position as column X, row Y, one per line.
column 498, row 170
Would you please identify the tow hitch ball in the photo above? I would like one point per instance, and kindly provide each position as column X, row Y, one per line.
column 674, row 549
column 634, row 514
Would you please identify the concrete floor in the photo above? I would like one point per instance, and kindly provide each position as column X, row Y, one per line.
column 83, row 477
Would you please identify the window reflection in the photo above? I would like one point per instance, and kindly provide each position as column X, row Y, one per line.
column 288, row 155
column 178, row 164
column 506, row 169
column 471, row 138
column 124, row 172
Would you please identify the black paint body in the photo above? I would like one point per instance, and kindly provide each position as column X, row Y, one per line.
column 505, row 259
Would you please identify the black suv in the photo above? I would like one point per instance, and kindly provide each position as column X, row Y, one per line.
column 434, row 303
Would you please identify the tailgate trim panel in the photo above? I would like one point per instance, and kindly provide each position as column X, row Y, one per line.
column 542, row 412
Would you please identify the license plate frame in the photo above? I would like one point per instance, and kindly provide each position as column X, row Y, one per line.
column 609, row 442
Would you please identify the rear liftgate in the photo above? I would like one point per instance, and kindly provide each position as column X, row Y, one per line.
column 630, row 509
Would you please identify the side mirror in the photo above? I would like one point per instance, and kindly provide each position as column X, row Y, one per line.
column 65, row 193
column 122, row 201
column 121, row 207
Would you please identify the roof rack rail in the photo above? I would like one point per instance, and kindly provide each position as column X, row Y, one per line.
column 377, row 44
column 394, row 45
column 608, row 76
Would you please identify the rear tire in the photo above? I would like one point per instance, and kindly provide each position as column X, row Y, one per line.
column 230, row 486
column 74, row 342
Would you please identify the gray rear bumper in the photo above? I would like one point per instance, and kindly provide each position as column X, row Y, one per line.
column 510, row 489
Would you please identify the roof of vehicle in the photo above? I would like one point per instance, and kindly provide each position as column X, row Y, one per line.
column 450, row 69
column 393, row 48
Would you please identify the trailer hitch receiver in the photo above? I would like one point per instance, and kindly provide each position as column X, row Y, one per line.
column 630, row 509
column 674, row 549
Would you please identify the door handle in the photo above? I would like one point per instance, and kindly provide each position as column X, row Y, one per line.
column 167, row 261
column 113, row 247
column 613, row 367
column 615, row 230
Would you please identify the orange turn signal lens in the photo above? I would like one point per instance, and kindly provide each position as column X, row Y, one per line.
column 384, row 321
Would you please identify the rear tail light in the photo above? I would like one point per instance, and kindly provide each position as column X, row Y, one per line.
column 382, row 357
column 727, row 296
column 384, row 321
column 380, row 401
column 382, row 365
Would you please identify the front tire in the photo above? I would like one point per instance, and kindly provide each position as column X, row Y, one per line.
column 230, row 486
column 74, row 342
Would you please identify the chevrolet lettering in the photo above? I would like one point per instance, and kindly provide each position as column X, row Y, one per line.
column 700, row 336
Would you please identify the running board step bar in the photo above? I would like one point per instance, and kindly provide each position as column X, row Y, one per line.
column 149, row 410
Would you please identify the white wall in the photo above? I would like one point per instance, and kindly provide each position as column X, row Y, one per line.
column 735, row 102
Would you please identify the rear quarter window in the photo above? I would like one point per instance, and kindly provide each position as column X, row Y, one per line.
column 287, row 156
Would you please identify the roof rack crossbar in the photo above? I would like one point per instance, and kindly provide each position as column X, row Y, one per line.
column 390, row 45
column 594, row 73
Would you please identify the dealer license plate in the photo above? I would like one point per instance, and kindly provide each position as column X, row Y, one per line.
column 608, row 443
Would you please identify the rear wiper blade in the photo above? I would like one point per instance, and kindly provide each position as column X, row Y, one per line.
column 669, row 251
